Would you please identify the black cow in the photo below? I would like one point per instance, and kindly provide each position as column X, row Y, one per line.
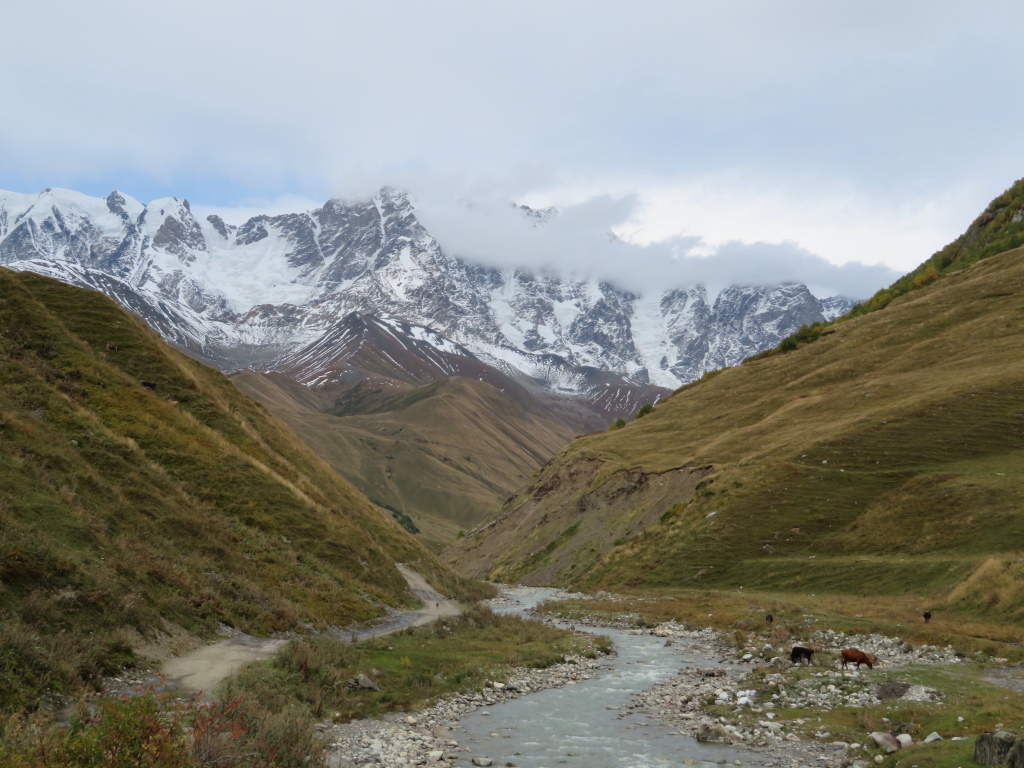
column 769, row 618
column 801, row 653
column 927, row 616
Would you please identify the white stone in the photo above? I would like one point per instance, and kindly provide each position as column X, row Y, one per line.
column 886, row 741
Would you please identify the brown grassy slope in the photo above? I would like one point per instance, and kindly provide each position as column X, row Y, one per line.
column 141, row 493
column 447, row 456
column 886, row 457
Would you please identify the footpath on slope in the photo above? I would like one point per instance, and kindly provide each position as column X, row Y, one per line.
column 202, row 670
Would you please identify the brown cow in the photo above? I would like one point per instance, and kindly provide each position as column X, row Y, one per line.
column 853, row 656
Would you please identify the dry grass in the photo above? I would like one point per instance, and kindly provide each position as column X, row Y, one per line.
column 445, row 459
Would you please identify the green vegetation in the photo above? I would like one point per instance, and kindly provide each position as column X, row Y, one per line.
column 400, row 517
column 412, row 668
column 998, row 229
column 617, row 424
column 143, row 498
column 804, row 335
column 644, row 410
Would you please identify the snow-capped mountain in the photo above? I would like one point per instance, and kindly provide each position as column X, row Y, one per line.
column 253, row 295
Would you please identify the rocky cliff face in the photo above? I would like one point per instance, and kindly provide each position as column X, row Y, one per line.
column 251, row 295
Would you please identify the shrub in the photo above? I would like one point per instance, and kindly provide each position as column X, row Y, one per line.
column 149, row 730
column 644, row 410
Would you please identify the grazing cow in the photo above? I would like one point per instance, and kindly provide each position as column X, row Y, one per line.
column 927, row 616
column 801, row 653
column 769, row 618
column 853, row 656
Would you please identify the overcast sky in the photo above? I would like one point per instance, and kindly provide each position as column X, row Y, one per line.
column 836, row 143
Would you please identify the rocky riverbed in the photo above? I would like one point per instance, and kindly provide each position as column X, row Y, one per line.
column 426, row 737
column 732, row 699
column 727, row 703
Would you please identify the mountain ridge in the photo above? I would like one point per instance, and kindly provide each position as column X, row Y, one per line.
column 244, row 296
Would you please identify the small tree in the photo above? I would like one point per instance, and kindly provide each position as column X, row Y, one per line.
column 617, row 424
column 644, row 410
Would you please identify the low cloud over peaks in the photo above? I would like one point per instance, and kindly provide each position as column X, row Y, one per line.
column 590, row 240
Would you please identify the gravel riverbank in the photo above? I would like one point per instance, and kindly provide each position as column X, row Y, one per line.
column 425, row 737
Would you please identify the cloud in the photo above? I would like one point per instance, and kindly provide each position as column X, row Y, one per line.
column 680, row 102
column 581, row 242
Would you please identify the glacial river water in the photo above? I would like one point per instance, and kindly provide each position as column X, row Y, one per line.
column 573, row 726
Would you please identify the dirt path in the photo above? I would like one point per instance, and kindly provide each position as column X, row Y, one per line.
column 201, row 670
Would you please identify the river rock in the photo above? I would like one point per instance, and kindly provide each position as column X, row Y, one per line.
column 933, row 736
column 905, row 740
column 484, row 761
column 886, row 741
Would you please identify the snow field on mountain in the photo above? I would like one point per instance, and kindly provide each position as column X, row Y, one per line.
column 281, row 282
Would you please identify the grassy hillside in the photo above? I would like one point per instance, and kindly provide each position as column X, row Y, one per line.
column 443, row 454
column 885, row 458
column 142, row 496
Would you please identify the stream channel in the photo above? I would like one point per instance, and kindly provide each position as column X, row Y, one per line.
column 573, row 726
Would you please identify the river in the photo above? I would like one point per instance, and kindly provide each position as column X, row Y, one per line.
column 590, row 723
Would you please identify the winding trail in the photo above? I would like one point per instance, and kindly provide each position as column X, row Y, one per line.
column 202, row 670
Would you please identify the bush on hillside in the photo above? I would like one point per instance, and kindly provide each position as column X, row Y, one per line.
column 151, row 730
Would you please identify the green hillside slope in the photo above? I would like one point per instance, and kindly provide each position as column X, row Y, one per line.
column 887, row 457
column 444, row 454
column 141, row 496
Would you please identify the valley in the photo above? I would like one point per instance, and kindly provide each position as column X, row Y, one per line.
column 358, row 302
column 860, row 472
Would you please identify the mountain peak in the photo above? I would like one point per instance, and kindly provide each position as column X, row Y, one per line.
column 283, row 281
